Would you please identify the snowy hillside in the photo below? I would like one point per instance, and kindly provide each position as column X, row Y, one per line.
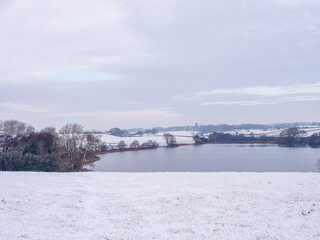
column 309, row 130
column 185, row 137
column 159, row 206
column 182, row 137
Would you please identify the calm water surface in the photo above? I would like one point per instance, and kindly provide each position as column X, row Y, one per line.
column 213, row 158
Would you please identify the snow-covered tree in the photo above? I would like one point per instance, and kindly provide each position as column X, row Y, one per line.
column 135, row 144
column 76, row 143
column 14, row 127
column 49, row 129
column 122, row 145
column 170, row 139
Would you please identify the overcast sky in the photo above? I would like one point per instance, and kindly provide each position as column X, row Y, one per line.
column 144, row 63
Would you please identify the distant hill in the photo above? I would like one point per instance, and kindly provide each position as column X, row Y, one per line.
column 226, row 127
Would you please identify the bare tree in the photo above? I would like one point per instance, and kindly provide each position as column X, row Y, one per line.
column 154, row 131
column 135, row 144
column 74, row 142
column 30, row 129
column 292, row 136
column 197, row 139
column 1, row 127
column 7, row 143
column 293, row 132
column 150, row 144
column 14, row 127
column 50, row 129
column 314, row 140
column 170, row 139
column 122, row 145
column 93, row 142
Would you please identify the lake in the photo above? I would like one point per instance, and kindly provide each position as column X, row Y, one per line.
column 213, row 158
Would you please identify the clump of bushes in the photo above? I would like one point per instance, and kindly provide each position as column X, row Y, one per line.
column 23, row 149
column 290, row 137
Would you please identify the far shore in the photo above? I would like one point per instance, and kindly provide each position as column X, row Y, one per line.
column 141, row 148
column 97, row 158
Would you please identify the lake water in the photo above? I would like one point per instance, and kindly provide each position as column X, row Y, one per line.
column 213, row 158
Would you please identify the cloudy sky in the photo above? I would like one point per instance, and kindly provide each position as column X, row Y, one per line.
column 143, row 63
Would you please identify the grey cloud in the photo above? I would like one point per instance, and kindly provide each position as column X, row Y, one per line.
column 265, row 101
column 266, row 91
column 231, row 52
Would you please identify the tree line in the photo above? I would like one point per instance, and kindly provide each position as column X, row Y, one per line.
column 290, row 137
column 70, row 148
column 204, row 129
column 66, row 150
column 124, row 133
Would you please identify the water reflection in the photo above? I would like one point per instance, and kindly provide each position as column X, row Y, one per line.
column 213, row 158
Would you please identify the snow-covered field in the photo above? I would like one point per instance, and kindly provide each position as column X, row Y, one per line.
column 274, row 132
column 185, row 137
column 159, row 206
column 182, row 137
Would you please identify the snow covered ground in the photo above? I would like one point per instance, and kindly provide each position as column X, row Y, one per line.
column 182, row 137
column 274, row 132
column 159, row 206
column 185, row 137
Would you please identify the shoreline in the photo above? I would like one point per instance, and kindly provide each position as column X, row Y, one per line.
column 141, row 149
column 96, row 157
